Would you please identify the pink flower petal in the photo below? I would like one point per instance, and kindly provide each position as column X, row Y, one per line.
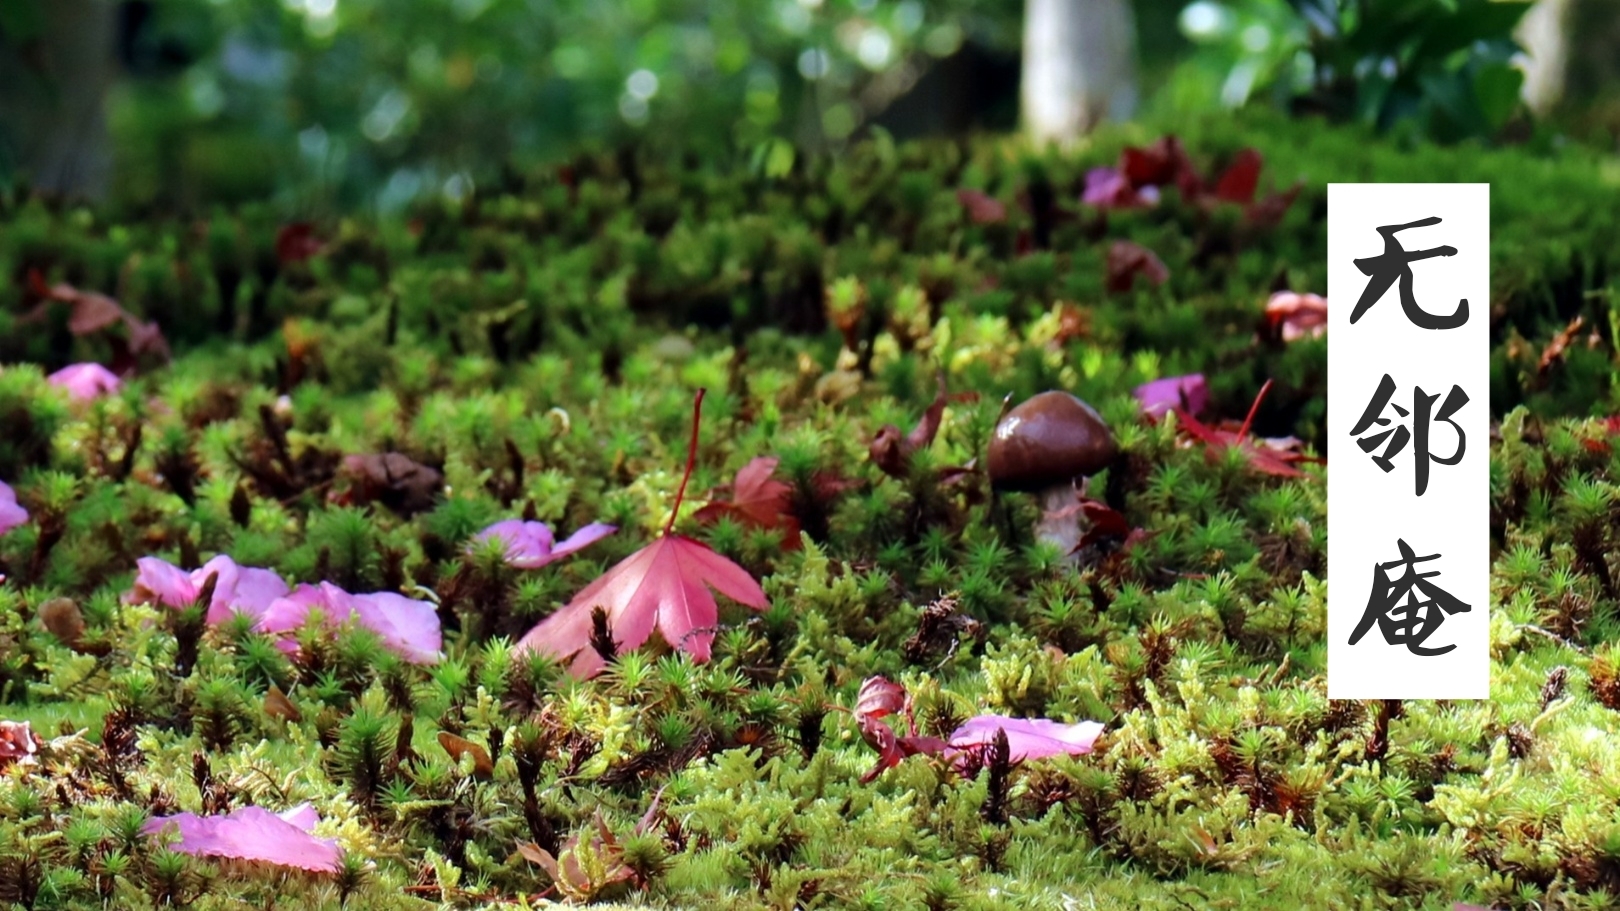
column 1161, row 395
column 237, row 589
column 407, row 626
column 256, row 834
column 160, row 582
column 531, row 545
column 12, row 515
column 85, row 381
column 583, row 537
column 1028, row 738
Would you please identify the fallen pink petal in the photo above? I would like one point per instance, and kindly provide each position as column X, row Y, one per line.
column 85, row 381
column 407, row 626
column 11, row 514
column 253, row 834
column 1028, row 738
column 1190, row 392
column 239, row 589
column 531, row 545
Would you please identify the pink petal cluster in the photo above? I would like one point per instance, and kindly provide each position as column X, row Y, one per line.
column 256, row 834
column 1296, row 316
column 239, row 589
column 531, row 545
column 1190, row 393
column 85, row 381
column 11, row 515
column 406, row 626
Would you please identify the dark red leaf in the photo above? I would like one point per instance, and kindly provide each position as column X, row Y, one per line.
column 395, row 480
column 758, row 501
column 296, row 242
column 891, row 452
column 1241, row 178
column 1126, row 260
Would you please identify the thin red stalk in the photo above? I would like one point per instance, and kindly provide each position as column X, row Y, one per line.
column 691, row 460
column 1244, row 431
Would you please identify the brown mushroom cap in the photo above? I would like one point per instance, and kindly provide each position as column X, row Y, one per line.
column 1051, row 438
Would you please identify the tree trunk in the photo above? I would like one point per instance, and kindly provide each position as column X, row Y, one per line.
column 56, row 80
column 1544, row 34
column 1079, row 67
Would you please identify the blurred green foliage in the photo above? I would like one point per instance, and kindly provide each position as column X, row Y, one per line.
column 341, row 101
column 1437, row 69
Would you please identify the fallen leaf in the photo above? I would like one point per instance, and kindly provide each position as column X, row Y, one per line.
column 1126, row 260
column 296, row 242
column 277, row 705
column 665, row 585
column 1274, row 457
column 457, row 747
column 759, row 501
column 395, row 480
column 891, row 451
column 63, row 619
column 1240, row 179
column 1554, row 351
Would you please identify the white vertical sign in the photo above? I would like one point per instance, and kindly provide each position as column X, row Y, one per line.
column 1408, row 441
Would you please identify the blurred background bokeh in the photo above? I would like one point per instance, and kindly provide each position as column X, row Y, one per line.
column 364, row 105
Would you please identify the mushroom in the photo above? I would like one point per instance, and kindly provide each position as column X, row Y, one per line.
column 1045, row 446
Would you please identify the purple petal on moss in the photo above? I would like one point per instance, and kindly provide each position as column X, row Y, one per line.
column 254, row 834
column 1164, row 394
column 85, row 381
column 288, row 612
column 407, row 626
column 12, row 515
column 161, row 582
column 583, row 537
column 531, row 545
column 1028, row 738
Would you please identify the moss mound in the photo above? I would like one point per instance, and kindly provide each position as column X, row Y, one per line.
column 533, row 352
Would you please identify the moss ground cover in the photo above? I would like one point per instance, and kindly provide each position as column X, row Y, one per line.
column 354, row 403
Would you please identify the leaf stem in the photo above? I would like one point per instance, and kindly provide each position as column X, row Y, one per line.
column 691, row 459
column 1244, row 431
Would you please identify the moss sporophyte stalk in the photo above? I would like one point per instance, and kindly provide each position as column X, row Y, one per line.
column 648, row 543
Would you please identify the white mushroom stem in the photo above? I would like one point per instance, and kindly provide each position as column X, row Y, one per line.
column 1062, row 521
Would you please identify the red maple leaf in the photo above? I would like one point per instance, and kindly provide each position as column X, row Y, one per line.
column 1240, row 179
column 759, row 501
column 1271, row 457
column 665, row 585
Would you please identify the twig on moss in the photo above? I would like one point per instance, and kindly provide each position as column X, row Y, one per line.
column 1531, row 627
